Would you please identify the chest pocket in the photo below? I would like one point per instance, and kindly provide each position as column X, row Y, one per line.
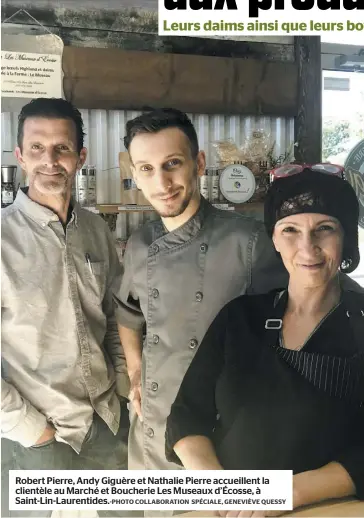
column 95, row 281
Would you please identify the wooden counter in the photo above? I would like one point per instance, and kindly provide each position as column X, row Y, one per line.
column 334, row 508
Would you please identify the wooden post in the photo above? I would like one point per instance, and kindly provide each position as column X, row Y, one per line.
column 308, row 122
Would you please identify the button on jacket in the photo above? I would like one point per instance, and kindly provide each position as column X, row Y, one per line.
column 176, row 282
column 58, row 325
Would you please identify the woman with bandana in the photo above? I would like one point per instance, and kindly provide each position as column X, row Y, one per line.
column 278, row 381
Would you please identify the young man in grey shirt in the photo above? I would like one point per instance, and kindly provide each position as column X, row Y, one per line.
column 180, row 270
column 59, row 404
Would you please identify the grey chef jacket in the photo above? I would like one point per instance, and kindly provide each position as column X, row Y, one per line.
column 176, row 282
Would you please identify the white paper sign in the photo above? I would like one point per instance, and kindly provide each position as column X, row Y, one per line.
column 157, row 490
column 30, row 75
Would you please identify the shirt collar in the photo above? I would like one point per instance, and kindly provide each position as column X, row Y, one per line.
column 38, row 213
column 186, row 231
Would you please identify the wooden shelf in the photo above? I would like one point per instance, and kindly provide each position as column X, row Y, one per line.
column 117, row 208
column 253, row 206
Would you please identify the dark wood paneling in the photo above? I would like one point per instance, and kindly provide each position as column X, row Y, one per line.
column 129, row 25
column 308, row 123
column 149, row 42
column 114, row 79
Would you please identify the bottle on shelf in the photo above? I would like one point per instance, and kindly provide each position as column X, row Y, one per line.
column 205, row 185
column 8, row 175
column 215, row 187
column 81, row 186
column 85, row 186
column 91, row 185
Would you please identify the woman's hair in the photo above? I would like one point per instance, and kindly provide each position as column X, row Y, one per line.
column 316, row 192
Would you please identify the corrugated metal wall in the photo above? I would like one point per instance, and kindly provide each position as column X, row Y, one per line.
column 104, row 139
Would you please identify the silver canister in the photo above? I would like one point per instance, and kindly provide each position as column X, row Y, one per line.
column 215, row 186
column 91, row 182
column 205, row 185
column 74, row 190
column 8, row 174
column 81, row 186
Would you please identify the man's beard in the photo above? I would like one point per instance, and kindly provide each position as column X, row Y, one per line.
column 173, row 212
column 51, row 184
column 177, row 211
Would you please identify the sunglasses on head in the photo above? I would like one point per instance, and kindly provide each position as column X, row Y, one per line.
column 291, row 169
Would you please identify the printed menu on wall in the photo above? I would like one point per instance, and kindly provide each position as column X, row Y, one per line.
column 31, row 67
column 30, row 75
